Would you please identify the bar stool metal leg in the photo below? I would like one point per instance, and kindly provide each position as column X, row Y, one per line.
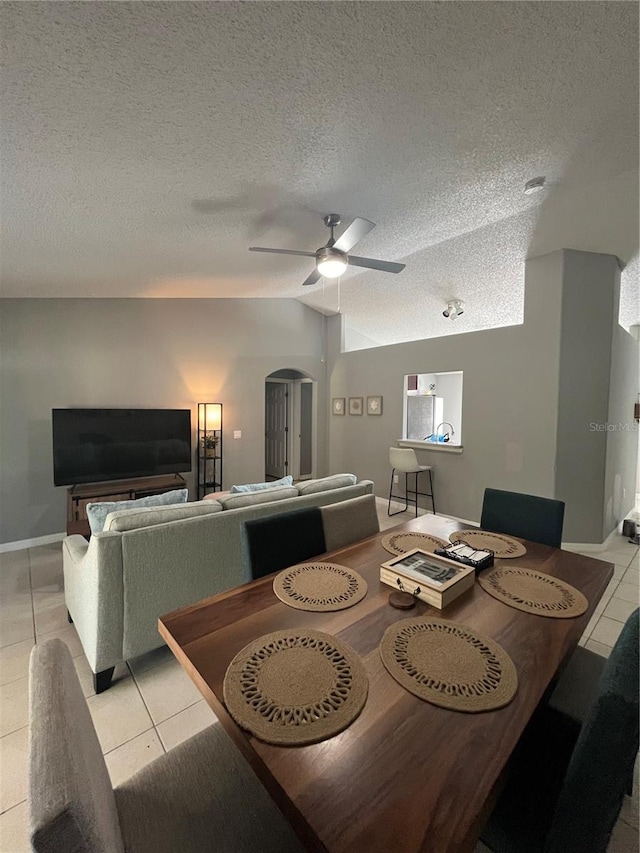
column 433, row 494
column 415, row 494
column 391, row 495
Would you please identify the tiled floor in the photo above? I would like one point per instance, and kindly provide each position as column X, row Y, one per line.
column 152, row 705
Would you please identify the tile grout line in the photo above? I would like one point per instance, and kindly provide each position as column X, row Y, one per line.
column 186, row 708
column 13, row 731
column 14, row 806
column 13, row 680
column 128, row 740
column 147, row 707
column 153, row 722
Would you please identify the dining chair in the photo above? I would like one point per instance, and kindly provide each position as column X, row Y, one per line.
column 404, row 460
column 564, row 795
column 349, row 521
column 278, row 541
column 527, row 516
column 200, row 796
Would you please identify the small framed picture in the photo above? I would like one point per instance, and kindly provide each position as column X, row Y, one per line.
column 374, row 405
column 337, row 406
column 355, row 405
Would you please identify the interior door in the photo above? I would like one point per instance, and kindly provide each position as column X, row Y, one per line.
column 306, row 430
column 276, row 416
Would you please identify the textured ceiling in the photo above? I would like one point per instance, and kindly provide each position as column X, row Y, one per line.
column 146, row 145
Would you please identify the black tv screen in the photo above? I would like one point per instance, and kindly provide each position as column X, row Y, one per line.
column 92, row 445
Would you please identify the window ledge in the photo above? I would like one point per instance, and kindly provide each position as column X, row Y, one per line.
column 430, row 445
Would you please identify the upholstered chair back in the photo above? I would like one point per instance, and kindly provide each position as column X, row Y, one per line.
column 403, row 459
column 349, row 521
column 71, row 800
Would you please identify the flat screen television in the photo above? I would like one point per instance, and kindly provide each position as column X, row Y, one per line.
column 92, row 445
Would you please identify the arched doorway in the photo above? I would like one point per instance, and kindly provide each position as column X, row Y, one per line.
column 289, row 418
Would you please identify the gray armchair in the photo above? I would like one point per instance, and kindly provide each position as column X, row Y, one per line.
column 201, row 796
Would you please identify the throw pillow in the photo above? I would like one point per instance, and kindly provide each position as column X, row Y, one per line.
column 97, row 512
column 257, row 487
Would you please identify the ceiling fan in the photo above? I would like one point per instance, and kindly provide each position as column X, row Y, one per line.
column 332, row 259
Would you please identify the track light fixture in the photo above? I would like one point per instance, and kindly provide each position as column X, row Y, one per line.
column 454, row 309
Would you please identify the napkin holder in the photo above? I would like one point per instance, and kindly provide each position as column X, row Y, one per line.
column 460, row 552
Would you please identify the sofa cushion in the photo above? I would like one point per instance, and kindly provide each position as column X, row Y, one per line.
column 133, row 519
column 280, row 493
column 98, row 512
column 258, row 487
column 335, row 481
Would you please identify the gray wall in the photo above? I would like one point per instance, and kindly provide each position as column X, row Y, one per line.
column 585, row 368
column 622, row 440
column 530, row 393
column 509, row 404
column 140, row 353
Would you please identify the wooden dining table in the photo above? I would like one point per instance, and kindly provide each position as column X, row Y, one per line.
column 406, row 775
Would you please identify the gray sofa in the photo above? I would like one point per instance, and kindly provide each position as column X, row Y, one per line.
column 148, row 562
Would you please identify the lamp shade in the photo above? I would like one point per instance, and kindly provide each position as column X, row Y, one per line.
column 210, row 416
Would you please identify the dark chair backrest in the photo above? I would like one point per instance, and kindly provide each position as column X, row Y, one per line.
column 602, row 761
column 527, row 516
column 279, row 541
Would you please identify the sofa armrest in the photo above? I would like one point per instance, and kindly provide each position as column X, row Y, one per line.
column 75, row 548
column 93, row 592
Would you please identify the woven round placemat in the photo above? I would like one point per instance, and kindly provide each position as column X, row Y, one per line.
column 449, row 665
column 504, row 547
column 400, row 543
column 533, row 592
column 295, row 687
column 319, row 586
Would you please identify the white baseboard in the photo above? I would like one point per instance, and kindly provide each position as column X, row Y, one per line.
column 21, row 544
column 594, row 547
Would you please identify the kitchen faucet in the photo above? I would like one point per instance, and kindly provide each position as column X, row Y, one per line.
column 446, row 436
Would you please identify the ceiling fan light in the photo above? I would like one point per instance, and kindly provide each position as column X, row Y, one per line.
column 331, row 263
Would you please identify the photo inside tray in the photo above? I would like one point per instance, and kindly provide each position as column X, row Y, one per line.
column 424, row 567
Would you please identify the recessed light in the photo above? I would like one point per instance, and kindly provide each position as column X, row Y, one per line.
column 534, row 185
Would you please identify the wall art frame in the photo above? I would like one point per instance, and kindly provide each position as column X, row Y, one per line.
column 374, row 405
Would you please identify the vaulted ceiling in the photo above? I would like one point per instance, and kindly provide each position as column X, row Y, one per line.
column 146, row 145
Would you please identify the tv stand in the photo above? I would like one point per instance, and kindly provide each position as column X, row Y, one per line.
column 114, row 490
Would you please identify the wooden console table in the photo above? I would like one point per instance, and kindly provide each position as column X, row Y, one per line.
column 114, row 490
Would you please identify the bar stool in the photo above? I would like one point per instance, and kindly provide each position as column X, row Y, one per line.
column 404, row 459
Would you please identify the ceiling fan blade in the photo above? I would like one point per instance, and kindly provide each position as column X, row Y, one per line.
column 373, row 264
column 313, row 278
column 282, row 252
column 353, row 234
